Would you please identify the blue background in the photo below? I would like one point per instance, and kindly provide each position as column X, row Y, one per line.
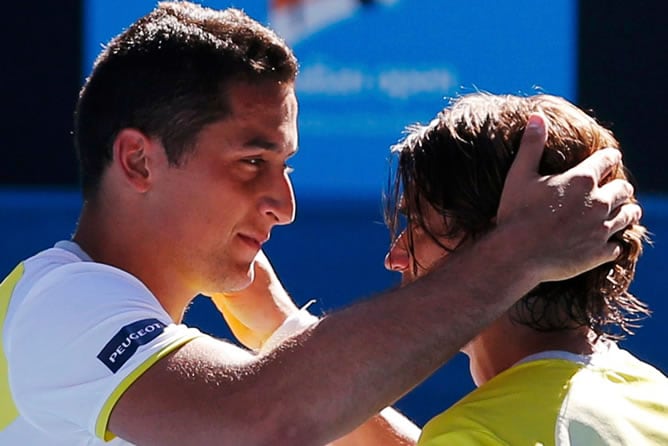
column 334, row 251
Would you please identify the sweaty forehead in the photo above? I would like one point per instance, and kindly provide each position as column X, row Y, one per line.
column 263, row 108
column 266, row 98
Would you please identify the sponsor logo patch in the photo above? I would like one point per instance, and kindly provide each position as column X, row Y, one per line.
column 125, row 343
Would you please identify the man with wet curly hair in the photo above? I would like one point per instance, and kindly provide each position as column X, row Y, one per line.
column 549, row 371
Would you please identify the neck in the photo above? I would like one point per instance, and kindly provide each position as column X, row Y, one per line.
column 108, row 238
column 506, row 342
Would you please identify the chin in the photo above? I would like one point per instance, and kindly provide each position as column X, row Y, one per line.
column 241, row 280
column 231, row 278
column 234, row 286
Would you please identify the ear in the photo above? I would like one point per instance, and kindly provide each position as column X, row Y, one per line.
column 132, row 150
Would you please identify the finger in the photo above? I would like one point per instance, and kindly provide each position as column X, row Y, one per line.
column 610, row 252
column 615, row 193
column 600, row 163
column 531, row 148
column 623, row 217
column 261, row 256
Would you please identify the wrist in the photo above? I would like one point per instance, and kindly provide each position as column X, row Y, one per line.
column 294, row 324
column 507, row 258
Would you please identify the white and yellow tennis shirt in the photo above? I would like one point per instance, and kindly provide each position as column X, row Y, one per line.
column 75, row 334
column 609, row 398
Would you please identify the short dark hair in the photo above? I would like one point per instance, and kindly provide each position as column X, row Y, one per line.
column 166, row 75
column 458, row 164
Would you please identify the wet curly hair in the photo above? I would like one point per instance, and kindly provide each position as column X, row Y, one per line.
column 458, row 163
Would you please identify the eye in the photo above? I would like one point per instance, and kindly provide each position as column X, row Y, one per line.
column 257, row 162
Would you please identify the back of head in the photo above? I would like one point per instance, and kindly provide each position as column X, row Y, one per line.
column 166, row 75
column 458, row 164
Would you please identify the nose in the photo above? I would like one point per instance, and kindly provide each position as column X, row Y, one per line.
column 397, row 258
column 279, row 201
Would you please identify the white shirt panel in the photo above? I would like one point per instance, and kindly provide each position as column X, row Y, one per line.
column 74, row 331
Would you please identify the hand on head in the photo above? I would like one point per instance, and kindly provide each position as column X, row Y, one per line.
column 568, row 219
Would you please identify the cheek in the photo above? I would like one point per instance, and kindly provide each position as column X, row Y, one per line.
column 428, row 256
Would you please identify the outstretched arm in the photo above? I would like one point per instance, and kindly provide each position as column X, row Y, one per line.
column 325, row 382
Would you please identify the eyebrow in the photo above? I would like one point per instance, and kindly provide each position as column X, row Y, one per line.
column 261, row 143
column 264, row 144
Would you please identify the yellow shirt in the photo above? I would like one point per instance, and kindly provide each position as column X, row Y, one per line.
column 560, row 399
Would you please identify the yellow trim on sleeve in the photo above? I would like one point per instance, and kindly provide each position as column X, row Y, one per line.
column 102, row 423
column 8, row 410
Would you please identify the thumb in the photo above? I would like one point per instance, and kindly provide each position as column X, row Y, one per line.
column 531, row 148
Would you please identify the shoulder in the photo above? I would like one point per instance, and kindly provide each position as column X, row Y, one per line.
column 616, row 396
column 522, row 402
column 56, row 285
column 54, row 271
column 77, row 334
column 63, row 307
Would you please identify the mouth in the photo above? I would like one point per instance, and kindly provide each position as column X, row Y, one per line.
column 255, row 242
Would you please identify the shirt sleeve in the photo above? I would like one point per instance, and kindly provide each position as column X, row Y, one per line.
column 294, row 324
column 82, row 335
